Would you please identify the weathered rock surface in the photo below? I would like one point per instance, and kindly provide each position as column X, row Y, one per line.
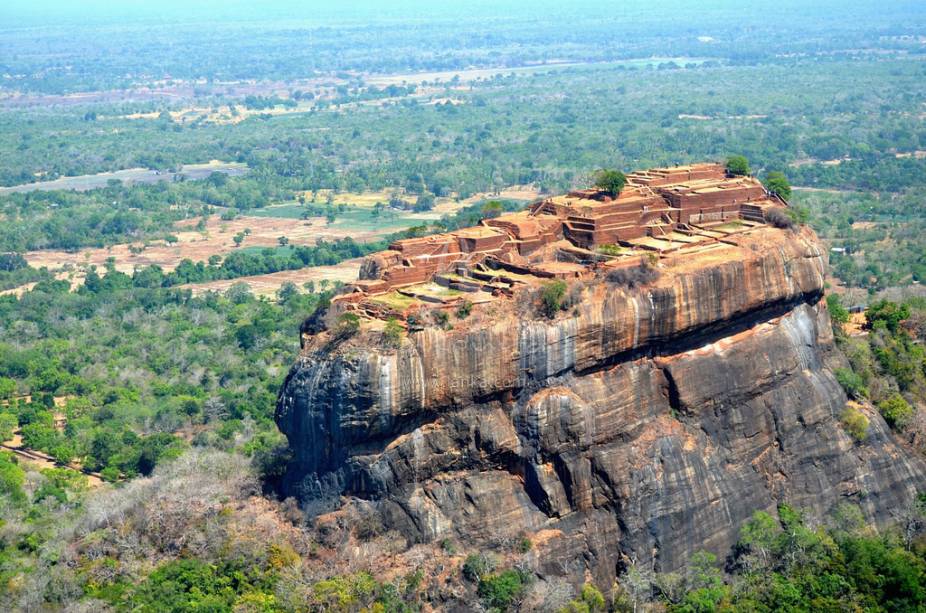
column 643, row 425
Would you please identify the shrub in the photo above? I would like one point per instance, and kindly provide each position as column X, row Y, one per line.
column 477, row 565
column 855, row 423
column 852, row 383
column 465, row 308
column 635, row 276
column 590, row 600
column 610, row 249
column 348, row 325
column 441, row 318
column 896, row 411
column 392, row 333
column 779, row 218
column 552, row 296
column 186, row 584
column 593, row 597
column 503, row 589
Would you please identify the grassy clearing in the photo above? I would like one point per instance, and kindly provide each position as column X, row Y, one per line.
column 395, row 300
column 354, row 218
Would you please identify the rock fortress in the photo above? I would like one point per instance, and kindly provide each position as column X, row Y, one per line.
column 621, row 380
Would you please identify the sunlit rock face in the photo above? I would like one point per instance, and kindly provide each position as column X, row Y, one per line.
column 642, row 424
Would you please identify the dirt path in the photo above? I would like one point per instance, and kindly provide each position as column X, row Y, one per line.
column 44, row 460
column 822, row 190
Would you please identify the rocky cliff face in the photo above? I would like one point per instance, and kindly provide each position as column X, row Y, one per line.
column 642, row 424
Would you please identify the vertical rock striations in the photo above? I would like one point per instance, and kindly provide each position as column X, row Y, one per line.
column 643, row 424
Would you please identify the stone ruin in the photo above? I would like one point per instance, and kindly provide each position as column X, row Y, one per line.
column 660, row 213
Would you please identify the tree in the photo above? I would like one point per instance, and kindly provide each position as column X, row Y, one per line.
column 8, row 423
column 757, row 537
column 214, row 409
column 610, row 181
column 12, row 478
column 737, row 166
column 7, row 388
column 238, row 238
column 287, row 292
column 425, row 202
column 777, row 183
column 396, row 201
column 282, row 241
column 63, row 452
column 839, row 314
column 887, row 314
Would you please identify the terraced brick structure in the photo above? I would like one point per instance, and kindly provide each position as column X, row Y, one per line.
column 660, row 213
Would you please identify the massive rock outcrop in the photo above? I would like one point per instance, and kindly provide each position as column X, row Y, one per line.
column 640, row 424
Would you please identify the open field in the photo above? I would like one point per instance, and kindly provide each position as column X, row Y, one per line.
column 359, row 216
column 226, row 114
column 169, row 90
column 215, row 239
column 444, row 204
column 267, row 285
column 18, row 291
column 475, row 74
column 266, row 226
column 130, row 176
column 360, row 219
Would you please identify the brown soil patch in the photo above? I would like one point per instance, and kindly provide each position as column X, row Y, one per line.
column 18, row 291
column 267, row 285
column 443, row 205
column 216, row 239
column 225, row 114
column 855, row 325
